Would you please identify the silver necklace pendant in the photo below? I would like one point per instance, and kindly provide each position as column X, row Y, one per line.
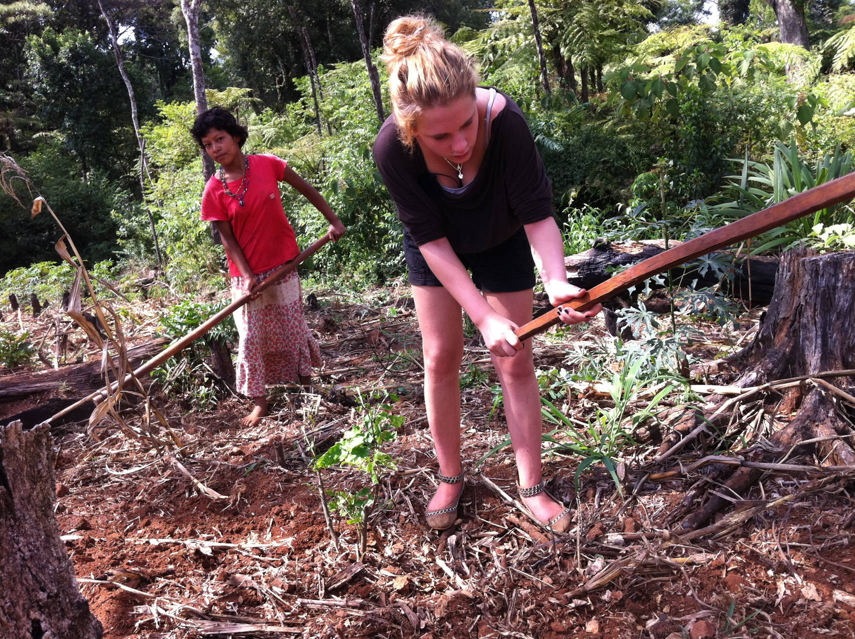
column 458, row 168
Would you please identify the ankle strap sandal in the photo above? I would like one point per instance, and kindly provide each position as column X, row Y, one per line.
column 444, row 518
column 532, row 491
column 558, row 524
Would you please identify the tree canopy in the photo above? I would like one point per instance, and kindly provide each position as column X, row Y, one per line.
column 641, row 107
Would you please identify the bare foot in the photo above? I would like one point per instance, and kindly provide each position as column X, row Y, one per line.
column 259, row 410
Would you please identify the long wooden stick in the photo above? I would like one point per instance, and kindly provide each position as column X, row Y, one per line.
column 819, row 197
column 183, row 342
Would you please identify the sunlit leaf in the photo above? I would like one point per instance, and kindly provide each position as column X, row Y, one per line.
column 37, row 206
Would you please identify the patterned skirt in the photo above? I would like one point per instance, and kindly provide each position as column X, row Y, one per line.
column 276, row 346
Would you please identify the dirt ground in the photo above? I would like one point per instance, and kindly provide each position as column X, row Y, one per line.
column 206, row 528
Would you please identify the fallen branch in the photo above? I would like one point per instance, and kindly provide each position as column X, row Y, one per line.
column 844, row 471
column 202, row 488
column 211, row 628
column 513, row 502
column 214, row 545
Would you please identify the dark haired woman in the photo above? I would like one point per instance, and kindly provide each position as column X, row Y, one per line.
column 243, row 201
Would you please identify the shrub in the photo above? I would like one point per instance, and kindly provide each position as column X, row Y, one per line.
column 15, row 350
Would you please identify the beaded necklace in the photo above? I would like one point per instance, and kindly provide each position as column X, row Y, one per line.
column 244, row 182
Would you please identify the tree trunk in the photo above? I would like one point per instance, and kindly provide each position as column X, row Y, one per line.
column 310, row 61
column 807, row 330
column 191, row 9
column 132, row 99
column 571, row 77
column 359, row 17
column 585, row 91
column 808, row 327
column 39, row 597
column 791, row 22
column 544, row 76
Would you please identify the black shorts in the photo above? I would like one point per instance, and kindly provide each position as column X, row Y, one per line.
column 505, row 268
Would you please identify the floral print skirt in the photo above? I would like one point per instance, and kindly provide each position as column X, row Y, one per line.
column 276, row 346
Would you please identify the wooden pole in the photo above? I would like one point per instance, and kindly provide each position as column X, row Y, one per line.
column 819, row 197
column 183, row 342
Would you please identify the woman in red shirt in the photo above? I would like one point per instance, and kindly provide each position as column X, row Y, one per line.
column 243, row 201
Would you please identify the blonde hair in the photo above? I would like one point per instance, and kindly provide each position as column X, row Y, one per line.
column 424, row 69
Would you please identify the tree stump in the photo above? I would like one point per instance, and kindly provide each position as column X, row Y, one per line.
column 39, row 596
column 221, row 360
column 808, row 329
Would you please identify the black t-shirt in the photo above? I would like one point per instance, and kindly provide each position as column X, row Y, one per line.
column 510, row 189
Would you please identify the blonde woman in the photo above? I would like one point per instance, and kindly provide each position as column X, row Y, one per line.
column 476, row 206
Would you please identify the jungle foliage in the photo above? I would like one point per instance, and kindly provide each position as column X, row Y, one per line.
column 650, row 119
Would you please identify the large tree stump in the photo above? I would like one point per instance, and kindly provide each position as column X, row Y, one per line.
column 39, row 596
column 808, row 329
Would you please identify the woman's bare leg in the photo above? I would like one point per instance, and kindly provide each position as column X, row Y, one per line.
column 441, row 327
column 522, row 404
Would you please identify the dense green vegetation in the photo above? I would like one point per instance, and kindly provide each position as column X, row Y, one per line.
column 652, row 121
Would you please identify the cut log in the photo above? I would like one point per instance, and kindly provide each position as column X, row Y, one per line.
column 39, row 597
column 67, row 381
column 837, row 191
column 808, row 329
column 596, row 265
column 76, row 377
column 751, row 279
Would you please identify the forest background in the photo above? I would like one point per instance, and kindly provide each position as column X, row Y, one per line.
column 654, row 118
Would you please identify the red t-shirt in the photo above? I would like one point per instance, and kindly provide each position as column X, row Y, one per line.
column 260, row 226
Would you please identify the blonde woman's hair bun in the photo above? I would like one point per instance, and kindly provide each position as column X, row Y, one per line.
column 406, row 35
column 425, row 70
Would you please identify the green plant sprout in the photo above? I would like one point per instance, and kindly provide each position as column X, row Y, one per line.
column 601, row 439
column 473, row 377
column 361, row 448
column 188, row 375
